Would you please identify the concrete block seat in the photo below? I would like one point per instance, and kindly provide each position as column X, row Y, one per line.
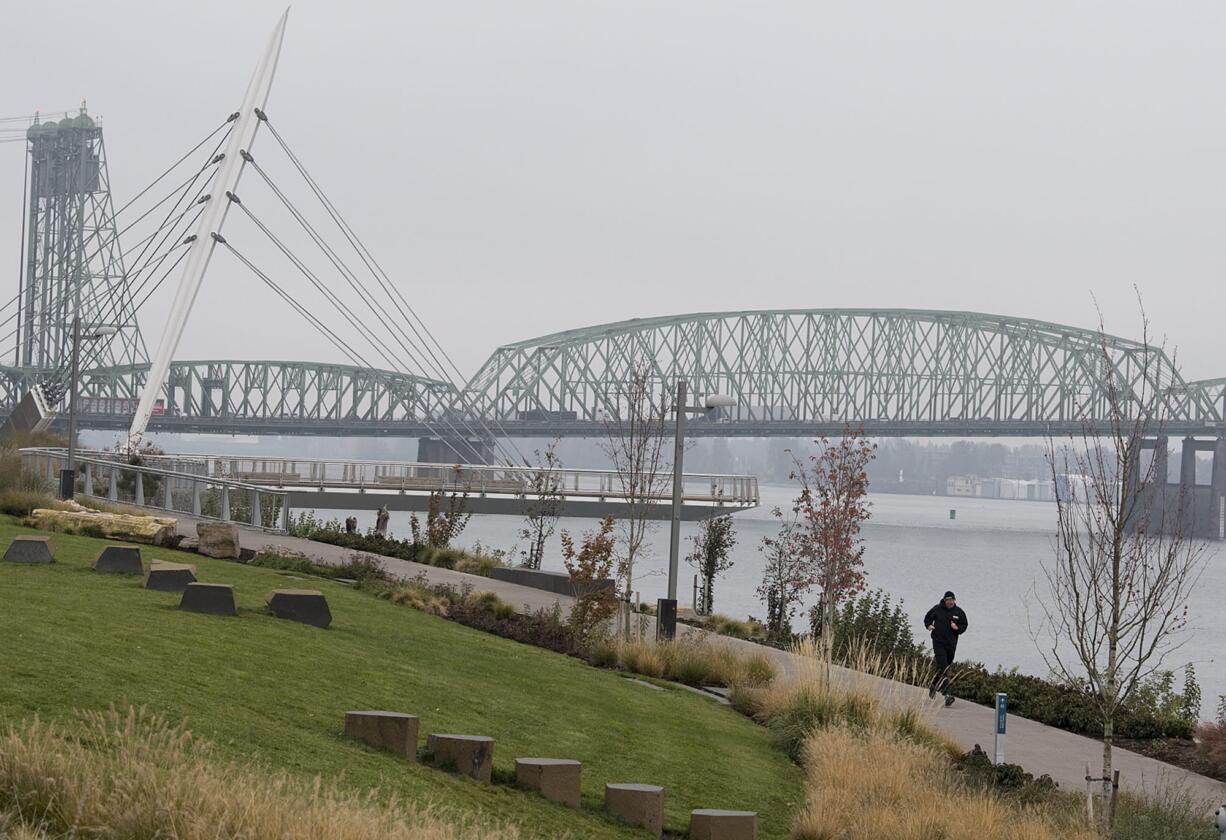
column 714, row 824
column 641, row 805
column 209, row 598
column 392, row 731
column 30, row 549
column 308, row 606
column 471, row 755
column 119, row 560
column 164, row 576
column 557, row 779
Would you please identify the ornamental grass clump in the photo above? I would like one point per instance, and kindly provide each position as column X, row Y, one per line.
column 870, row 785
column 136, row 775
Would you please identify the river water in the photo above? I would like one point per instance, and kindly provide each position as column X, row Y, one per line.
column 990, row 554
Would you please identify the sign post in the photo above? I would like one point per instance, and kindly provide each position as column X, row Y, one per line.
column 1002, row 706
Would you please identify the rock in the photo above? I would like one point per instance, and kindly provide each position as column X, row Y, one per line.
column 712, row 824
column 391, row 731
column 209, row 598
column 29, row 549
column 471, row 755
column 169, row 577
column 218, row 539
column 308, row 606
column 121, row 527
column 637, row 804
column 188, row 544
column 120, row 560
column 556, row 778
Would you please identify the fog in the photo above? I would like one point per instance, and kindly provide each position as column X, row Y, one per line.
column 530, row 167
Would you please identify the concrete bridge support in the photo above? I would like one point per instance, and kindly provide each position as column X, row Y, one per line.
column 1199, row 510
column 455, row 450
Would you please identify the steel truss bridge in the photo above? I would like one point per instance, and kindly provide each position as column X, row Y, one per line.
column 791, row 372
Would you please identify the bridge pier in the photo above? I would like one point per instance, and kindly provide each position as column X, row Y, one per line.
column 1199, row 510
column 455, row 450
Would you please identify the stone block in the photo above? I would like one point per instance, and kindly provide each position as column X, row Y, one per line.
column 30, row 550
column 218, row 539
column 169, row 577
column 556, row 778
column 471, row 755
column 121, row 527
column 713, row 824
column 308, row 606
column 641, row 805
column 119, row 560
column 210, row 598
column 391, row 731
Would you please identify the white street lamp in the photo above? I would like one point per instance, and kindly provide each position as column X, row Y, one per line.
column 666, row 608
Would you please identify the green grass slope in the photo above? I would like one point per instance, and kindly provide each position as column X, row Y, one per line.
column 275, row 692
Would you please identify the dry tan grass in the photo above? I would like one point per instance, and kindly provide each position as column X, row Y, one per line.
column 694, row 661
column 134, row 775
column 872, row 786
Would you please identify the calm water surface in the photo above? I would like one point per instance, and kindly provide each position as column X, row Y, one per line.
column 990, row 555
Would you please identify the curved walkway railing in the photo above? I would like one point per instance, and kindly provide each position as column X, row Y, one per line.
column 171, row 487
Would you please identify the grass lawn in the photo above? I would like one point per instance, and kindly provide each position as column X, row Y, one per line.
column 275, row 692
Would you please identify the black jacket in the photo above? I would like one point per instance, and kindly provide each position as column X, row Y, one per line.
column 940, row 617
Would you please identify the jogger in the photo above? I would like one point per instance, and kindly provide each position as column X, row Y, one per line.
column 945, row 623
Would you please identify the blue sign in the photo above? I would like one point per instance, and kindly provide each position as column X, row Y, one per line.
column 1002, row 705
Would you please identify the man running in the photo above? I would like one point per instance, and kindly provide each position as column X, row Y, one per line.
column 945, row 623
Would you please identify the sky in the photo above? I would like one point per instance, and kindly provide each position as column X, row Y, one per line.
column 523, row 168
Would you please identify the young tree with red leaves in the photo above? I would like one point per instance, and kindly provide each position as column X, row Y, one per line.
column 833, row 506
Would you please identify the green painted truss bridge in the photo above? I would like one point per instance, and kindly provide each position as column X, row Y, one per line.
column 791, row 373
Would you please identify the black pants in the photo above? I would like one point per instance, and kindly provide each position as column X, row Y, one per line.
column 943, row 653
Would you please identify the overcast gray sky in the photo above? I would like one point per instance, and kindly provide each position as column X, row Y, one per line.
column 522, row 168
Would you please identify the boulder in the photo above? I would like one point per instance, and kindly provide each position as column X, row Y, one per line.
column 641, row 805
column 218, row 539
column 121, row 527
column 391, row 731
column 471, row 755
column 30, row 550
column 308, row 606
column 556, row 778
column 209, row 598
column 169, row 577
column 713, row 824
column 120, row 560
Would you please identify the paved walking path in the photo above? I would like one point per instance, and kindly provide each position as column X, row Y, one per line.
column 1035, row 746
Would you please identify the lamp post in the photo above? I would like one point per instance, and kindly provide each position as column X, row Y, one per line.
column 68, row 476
column 666, row 608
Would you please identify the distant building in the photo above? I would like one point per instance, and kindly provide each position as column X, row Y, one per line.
column 960, row 485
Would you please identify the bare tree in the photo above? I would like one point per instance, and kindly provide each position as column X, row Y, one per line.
column 635, row 446
column 713, row 543
column 543, row 497
column 833, row 506
column 1123, row 570
column 786, row 576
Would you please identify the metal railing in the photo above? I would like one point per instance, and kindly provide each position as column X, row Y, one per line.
column 298, row 474
column 166, row 485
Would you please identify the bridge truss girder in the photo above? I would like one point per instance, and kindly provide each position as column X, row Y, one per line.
column 886, row 368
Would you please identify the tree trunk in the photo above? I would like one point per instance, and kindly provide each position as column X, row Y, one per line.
column 1105, row 811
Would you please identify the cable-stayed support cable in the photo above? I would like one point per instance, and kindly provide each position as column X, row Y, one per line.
column 336, row 340
column 389, row 355
column 398, row 299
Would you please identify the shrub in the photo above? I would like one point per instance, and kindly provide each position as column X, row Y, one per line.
column 603, row 654
column 22, row 502
column 362, row 568
column 417, row 597
column 1170, row 811
column 689, row 662
column 298, row 563
column 1212, row 747
column 491, row 603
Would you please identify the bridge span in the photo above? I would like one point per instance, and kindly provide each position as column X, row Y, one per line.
column 792, row 373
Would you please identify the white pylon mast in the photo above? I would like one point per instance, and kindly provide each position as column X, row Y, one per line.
column 242, row 135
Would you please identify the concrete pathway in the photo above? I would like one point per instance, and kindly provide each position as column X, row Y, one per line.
column 1035, row 746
